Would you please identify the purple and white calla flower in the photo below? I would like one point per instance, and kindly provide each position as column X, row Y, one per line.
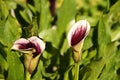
column 32, row 49
column 76, row 37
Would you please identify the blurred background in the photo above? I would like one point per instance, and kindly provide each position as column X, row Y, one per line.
column 51, row 21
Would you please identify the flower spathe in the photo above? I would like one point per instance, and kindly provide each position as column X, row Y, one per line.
column 32, row 49
column 32, row 43
column 76, row 36
column 78, row 32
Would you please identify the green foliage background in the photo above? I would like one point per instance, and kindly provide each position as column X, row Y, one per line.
column 101, row 50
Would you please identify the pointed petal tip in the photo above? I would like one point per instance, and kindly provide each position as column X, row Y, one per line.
column 15, row 47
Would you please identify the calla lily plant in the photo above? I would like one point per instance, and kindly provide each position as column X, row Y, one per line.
column 76, row 37
column 32, row 49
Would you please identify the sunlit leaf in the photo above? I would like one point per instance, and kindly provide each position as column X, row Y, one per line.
column 3, row 9
column 9, row 31
column 103, row 37
column 16, row 69
column 95, row 68
column 110, row 63
column 44, row 16
column 65, row 14
column 50, row 35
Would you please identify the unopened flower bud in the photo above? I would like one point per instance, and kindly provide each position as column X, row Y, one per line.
column 76, row 37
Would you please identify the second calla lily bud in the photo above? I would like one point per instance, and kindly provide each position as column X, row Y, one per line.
column 76, row 37
column 32, row 49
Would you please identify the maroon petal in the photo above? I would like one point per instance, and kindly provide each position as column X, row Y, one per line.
column 78, row 35
column 32, row 44
column 78, row 32
column 37, row 43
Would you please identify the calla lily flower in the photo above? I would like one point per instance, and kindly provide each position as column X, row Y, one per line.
column 32, row 49
column 76, row 37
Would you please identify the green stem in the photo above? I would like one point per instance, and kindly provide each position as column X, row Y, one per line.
column 76, row 75
column 28, row 75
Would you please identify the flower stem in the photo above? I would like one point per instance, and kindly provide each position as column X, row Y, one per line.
column 28, row 75
column 76, row 75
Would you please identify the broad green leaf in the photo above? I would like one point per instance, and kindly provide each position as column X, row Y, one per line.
column 16, row 69
column 3, row 10
column 66, row 12
column 109, row 58
column 87, row 56
column 37, row 5
column 114, row 14
column 95, row 69
column 103, row 36
column 50, row 51
column 50, row 35
column 3, row 59
column 44, row 16
column 11, row 4
column 9, row 31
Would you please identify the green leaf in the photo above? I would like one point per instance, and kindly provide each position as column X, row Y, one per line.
column 114, row 13
column 109, row 58
column 117, row 65
column 9, row 31
column 64, row 47
column 88, row 41
column 32, row 8
column 27, row 15
column 103, row 36
column 16, row 69
column 115, row 34
column 45, row 16
column 50, row 35
column 87, row 56
column 3, row 62
column 37, row 5
column 3, row 55
column 95, row 68
column 66, row 74
column 11, row 4
column 38, row 74
column 3, row 10
column 65, row 14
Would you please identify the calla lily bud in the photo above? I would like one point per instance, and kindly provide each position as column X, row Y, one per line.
column 32, row 49
column 76, row 37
